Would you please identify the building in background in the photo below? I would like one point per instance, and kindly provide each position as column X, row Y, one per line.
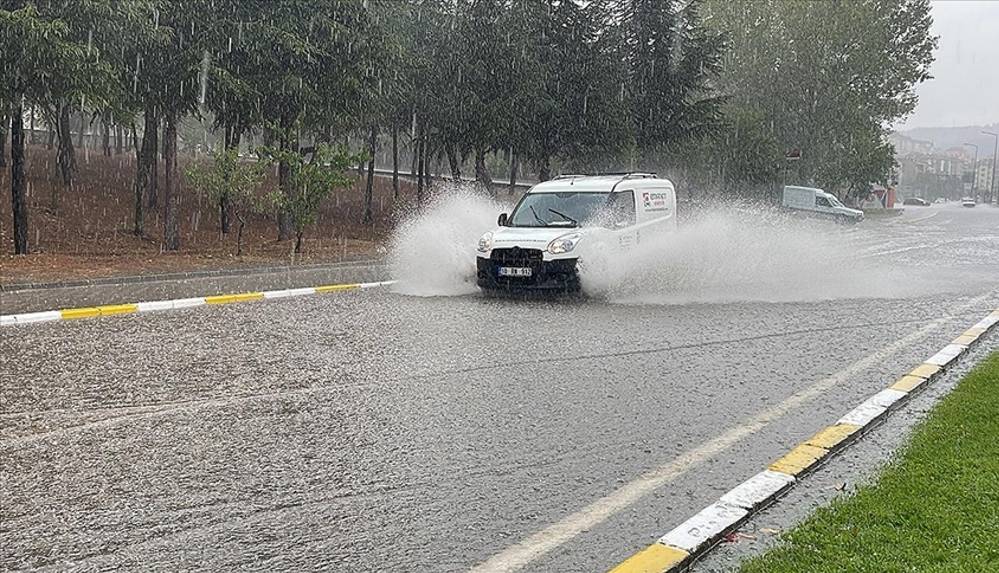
column 925, row 172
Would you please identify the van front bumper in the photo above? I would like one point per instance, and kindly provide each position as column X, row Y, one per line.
column 559, row 275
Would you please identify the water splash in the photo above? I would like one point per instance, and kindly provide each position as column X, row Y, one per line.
column 432, row 253
column 742, row 255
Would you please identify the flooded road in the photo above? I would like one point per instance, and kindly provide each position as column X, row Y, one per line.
column 377, row 431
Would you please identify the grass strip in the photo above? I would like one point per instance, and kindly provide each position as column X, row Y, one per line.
column 934, row 508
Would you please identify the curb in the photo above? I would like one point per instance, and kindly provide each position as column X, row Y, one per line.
column 157, row 305
column 199, row 274
column 680, row 547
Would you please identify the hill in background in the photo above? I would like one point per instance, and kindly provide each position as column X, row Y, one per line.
column 944, row 138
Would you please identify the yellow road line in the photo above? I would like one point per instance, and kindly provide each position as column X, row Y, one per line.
column 84, row 312
column 337, row 288
column 908, row 383
column 925, row 371
column 230, row 298
column 799, row 459
column 109, row 309
column 832, row 436
column 656, row 558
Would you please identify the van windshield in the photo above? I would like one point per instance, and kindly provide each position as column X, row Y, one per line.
column 568, row 209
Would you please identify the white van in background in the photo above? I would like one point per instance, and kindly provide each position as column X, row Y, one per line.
column 812, row 201
column 540, row 244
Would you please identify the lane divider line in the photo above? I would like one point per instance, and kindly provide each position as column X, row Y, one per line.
column 678, row 548
column 159, row 305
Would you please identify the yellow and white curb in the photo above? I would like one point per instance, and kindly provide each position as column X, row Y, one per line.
column 157, row 305
column 695, row 536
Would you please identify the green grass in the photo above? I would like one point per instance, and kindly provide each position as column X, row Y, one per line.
column 935, row 508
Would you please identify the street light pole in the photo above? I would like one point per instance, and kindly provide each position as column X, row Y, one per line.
column 974, row 173
column 994, row 188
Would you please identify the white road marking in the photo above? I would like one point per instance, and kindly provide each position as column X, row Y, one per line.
column 557, row 534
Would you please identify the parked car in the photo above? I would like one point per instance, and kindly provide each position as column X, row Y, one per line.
column 916, row 202
column 968, row 202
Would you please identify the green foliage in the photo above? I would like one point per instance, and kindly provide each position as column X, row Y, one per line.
column 228, row 179
column 827, row 78
column 672, row 59
column 46, row 57
column 935, row 508
column 311, row 180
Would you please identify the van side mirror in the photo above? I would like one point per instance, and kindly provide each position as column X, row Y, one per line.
column 502, row 220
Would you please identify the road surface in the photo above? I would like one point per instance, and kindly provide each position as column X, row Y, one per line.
column 376, row 431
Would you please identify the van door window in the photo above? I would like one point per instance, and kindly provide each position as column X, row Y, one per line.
column 822, row 202
column 622, row 208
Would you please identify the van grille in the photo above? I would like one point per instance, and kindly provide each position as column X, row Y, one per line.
column 516, row 255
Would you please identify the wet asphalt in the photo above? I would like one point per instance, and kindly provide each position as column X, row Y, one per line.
column 369, row 431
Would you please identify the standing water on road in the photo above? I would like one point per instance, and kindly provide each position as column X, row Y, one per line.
column 723, row 256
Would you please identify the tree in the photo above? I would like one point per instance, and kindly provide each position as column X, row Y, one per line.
column 36, row 50
column 167, row 80
column 232, row 182
column 578, row 113
column 309, row 183
column 672, row 60
column 826, row 77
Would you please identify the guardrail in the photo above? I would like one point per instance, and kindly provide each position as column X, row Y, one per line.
column 521, row 185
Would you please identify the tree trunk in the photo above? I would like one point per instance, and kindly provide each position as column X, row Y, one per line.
column 153, row 127
column 232, row 137
column 52, row 137
column 513, row 170
column 79, row 135
column 395, row 162
column 4, row 122
column 298, row 242
column 119, row 134
column 544, row 169
column 481, row 173
column 420, row 160
column 452, row 159
column 415, row 154
column 285, row 224
column 31, row 138
column 239, row 234
column 369, row 187
column 18, row 184
column 106, row 126
column 66, row 163
column 145, row 172
column 171, row 191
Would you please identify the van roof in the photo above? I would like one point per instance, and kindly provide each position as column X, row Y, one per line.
column 805, row 188
column 593, row 183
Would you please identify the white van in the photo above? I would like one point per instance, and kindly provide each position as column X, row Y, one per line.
column 814, row 201
column 540, row 244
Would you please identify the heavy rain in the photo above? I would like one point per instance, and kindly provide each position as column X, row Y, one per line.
column 469, row 285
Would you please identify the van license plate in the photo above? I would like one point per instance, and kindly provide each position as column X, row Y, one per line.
column 515, row 271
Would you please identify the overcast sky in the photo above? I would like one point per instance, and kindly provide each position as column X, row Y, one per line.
column 965, row 85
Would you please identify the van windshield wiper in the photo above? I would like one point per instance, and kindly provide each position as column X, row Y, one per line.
column 566, row 217
column 538, row 218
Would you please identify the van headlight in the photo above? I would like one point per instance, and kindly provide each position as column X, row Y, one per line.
column 564, row 244
column 486, row 243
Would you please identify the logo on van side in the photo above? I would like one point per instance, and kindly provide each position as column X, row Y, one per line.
column 655, row 201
